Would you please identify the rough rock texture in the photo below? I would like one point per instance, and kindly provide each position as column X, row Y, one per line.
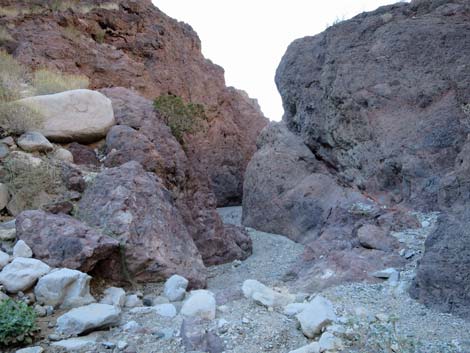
column 64, row 288
column 134, row 207
column 383, row 98
column 22, row 273
column 83, row 154
column 34, row 142
column 62, row 241
column 138, row 46
column 310, row 205
column 442, row 279
column 141, row 136
column 78, row 115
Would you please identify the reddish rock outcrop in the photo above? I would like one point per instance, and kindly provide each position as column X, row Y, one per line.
column 133, row 206
column 133, row 44
column 62, row 241
column 142, row 136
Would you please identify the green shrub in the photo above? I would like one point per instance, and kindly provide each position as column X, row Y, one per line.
column 48, row 82
column 17, row 323
column 181, row 118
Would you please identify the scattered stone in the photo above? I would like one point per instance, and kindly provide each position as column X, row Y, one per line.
column 78, row 343
column 34, row 142
column 36, row 349
column 197, row 338
column 83, row 155
column 21, row 249
column 373, row 237
column 391, row 274
column 4, row 259
column 132, row 301
column 201, row 304
column 61, row 206
column 63, row 154
column 114, row 296
column 152, row 300
column 108, row 345
column 77, row 115
column 40, row 310
column 329, row 342
column 8, row 141
column 87, row 318
column 22, row 273
column 294, row 308
column 313, row 347
column 318, row 314
column 175, row 288
column 131, row 326
column 4, row 150
column 166, row 310
column 122, row 345
column 264, row 295
column 64, row 289
column 4, row 196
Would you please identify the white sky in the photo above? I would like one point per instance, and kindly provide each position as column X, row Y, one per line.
column 248, row 37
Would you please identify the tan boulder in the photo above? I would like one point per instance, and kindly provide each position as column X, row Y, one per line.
column 79, row 115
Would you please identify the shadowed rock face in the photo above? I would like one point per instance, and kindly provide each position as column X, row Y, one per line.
column 382, row 97
column 376, row 114
column 443, row 279
column 135, row 45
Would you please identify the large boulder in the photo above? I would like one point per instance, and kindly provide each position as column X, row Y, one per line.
column 22, row 273
column 384, row 97
column 88, row 318
column 62, row 241
column 142, row 136
column 78, row 115
column 134, row 207
column 289, row 191
column 442, row 279
column 64, row 289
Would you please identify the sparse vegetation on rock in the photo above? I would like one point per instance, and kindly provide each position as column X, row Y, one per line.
column 182, row 118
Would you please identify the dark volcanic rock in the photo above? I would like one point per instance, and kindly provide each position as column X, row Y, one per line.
column 288, row 191
column 382, row 97
column 62, row 241
column 137, row 46
column 443, row 279
column 142, row 136
column 83, row 154
column 134, row 207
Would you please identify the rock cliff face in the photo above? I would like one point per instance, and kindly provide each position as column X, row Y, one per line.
column 376, row 121
column 132, row 44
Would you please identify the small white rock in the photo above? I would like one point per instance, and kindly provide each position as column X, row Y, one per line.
column 132, row 301
column 313, row 347
column 175, row 288
column 294, row 308
column 385, row 274
column 131, row 326
column 22, row 273
column 317, row 315
column 21, row 249
column 165, row 310
column 114, row 296
column 121, row 345
column 264, row 295
column 329, row 342
column 201, row 303
column 36, row 349
column 4, row 259
column 78, row 343
column 63, row 155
